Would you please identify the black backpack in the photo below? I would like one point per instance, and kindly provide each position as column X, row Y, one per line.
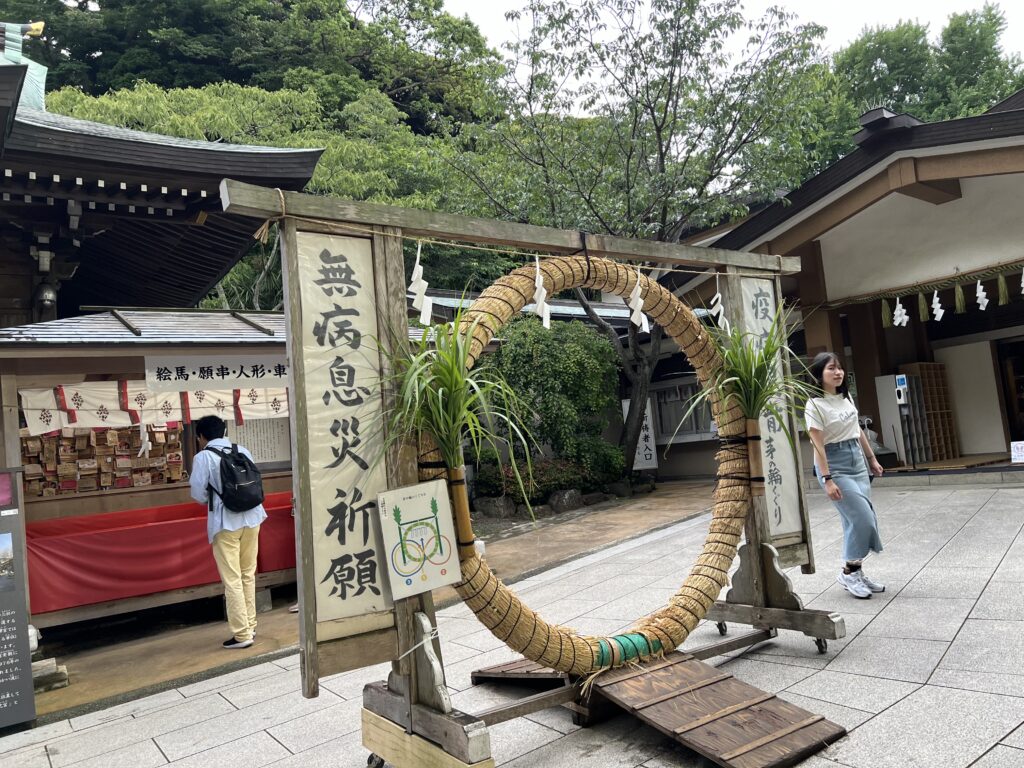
column 240, row 480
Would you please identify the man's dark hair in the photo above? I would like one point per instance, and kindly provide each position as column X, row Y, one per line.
column 211, row 427
column 817, row 371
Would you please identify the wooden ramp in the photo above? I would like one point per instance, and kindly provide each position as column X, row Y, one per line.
column 703, row 708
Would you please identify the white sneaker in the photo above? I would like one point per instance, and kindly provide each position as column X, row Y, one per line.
column 874, row 586
column 852, row 584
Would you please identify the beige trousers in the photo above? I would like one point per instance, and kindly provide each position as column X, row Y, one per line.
column 235, row 553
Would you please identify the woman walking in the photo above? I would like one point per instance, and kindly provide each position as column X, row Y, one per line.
column 840, row 450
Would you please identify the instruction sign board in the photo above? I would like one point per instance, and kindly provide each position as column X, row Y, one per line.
column 419, row 538
column 17, row 697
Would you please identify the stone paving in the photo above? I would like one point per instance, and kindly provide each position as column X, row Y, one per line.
column 931, row 672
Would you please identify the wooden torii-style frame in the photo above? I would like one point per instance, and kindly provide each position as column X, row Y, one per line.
column 406, row 717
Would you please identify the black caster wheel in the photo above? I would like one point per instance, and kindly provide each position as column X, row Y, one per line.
column 822, row 644
column 722, row 627
column 375, row 761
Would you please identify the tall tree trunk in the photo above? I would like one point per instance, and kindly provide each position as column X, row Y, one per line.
column 638, row 365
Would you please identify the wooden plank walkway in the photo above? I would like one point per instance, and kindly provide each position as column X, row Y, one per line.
column 705, row 709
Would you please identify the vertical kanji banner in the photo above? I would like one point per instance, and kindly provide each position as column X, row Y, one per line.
column 782, row 492
column 335, row 330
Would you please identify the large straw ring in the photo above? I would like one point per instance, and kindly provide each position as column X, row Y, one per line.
column 503, row 612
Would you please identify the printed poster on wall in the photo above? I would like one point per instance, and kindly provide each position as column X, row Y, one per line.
column 419, row 538
column 780, row 474
column 646, row 451
column 341, row 392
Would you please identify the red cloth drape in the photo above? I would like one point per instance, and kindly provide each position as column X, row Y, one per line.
column 95, row 558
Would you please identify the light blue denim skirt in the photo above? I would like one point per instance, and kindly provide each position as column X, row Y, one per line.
column 850, row 472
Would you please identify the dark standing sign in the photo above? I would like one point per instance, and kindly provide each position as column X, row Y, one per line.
column 17, row 698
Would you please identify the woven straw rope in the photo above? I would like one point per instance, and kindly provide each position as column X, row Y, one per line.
column 496, row 605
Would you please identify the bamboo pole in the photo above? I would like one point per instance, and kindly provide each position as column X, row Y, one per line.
column 460, row 505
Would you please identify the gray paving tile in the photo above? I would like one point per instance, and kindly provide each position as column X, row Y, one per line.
column 263, row 688
column 1001, row 600
column 847, row 717
column 457, row 675
column 38, row 735
column 1015, row 739
column 837, row 599
column 891, row 658
column 869, row 694
column 517, row 737
column 480, row 641
column 987, row 646
column 934, row 581
column 987, row 682
column 632, row 607
column 349, row 685
column 307, row 731
column 113, row 736
column 923, row 618
column 240, row 723
column 1012, row 566
column 931, row 727
column 253, row 751
column 344, row 752
column 143, row 754
column 29, row 757
column 232, row 679
column 289, row 662
column 128, row 709
column 820, row 661
column 556, row 718
column 1001, row 757
column 764, row 675
column 616, row 743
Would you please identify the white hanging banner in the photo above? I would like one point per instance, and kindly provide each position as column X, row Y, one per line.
column 937, row 310
column 210, row 402
column 418, row 287
column 636, row 303
column 540, row 296
column 717, row 309
column 184, row 373
column 900, row 317
column 41, row 412
column 93, row 404
column 263, row 403
column 981, row 296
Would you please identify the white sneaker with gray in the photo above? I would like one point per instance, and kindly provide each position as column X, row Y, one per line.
column 853, row 584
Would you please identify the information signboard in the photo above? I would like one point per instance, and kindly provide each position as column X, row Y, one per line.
column 17, row 698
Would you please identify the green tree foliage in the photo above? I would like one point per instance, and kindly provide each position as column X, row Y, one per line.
column 646, row 118
column 433, row 67
column 373, row 155
column 569, row 376
column 962, row 73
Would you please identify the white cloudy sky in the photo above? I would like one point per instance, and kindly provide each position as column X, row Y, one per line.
column 844, row 20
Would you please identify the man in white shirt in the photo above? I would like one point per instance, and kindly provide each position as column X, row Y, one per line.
column 234, row 536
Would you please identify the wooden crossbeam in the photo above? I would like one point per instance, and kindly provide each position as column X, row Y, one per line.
column 259, row 202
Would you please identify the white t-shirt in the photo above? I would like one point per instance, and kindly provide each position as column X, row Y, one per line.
column 835, row 416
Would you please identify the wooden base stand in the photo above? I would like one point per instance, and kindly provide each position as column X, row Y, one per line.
column 390, row 743
column 762, row 596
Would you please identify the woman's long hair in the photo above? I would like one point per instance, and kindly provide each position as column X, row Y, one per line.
column 817, row 371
